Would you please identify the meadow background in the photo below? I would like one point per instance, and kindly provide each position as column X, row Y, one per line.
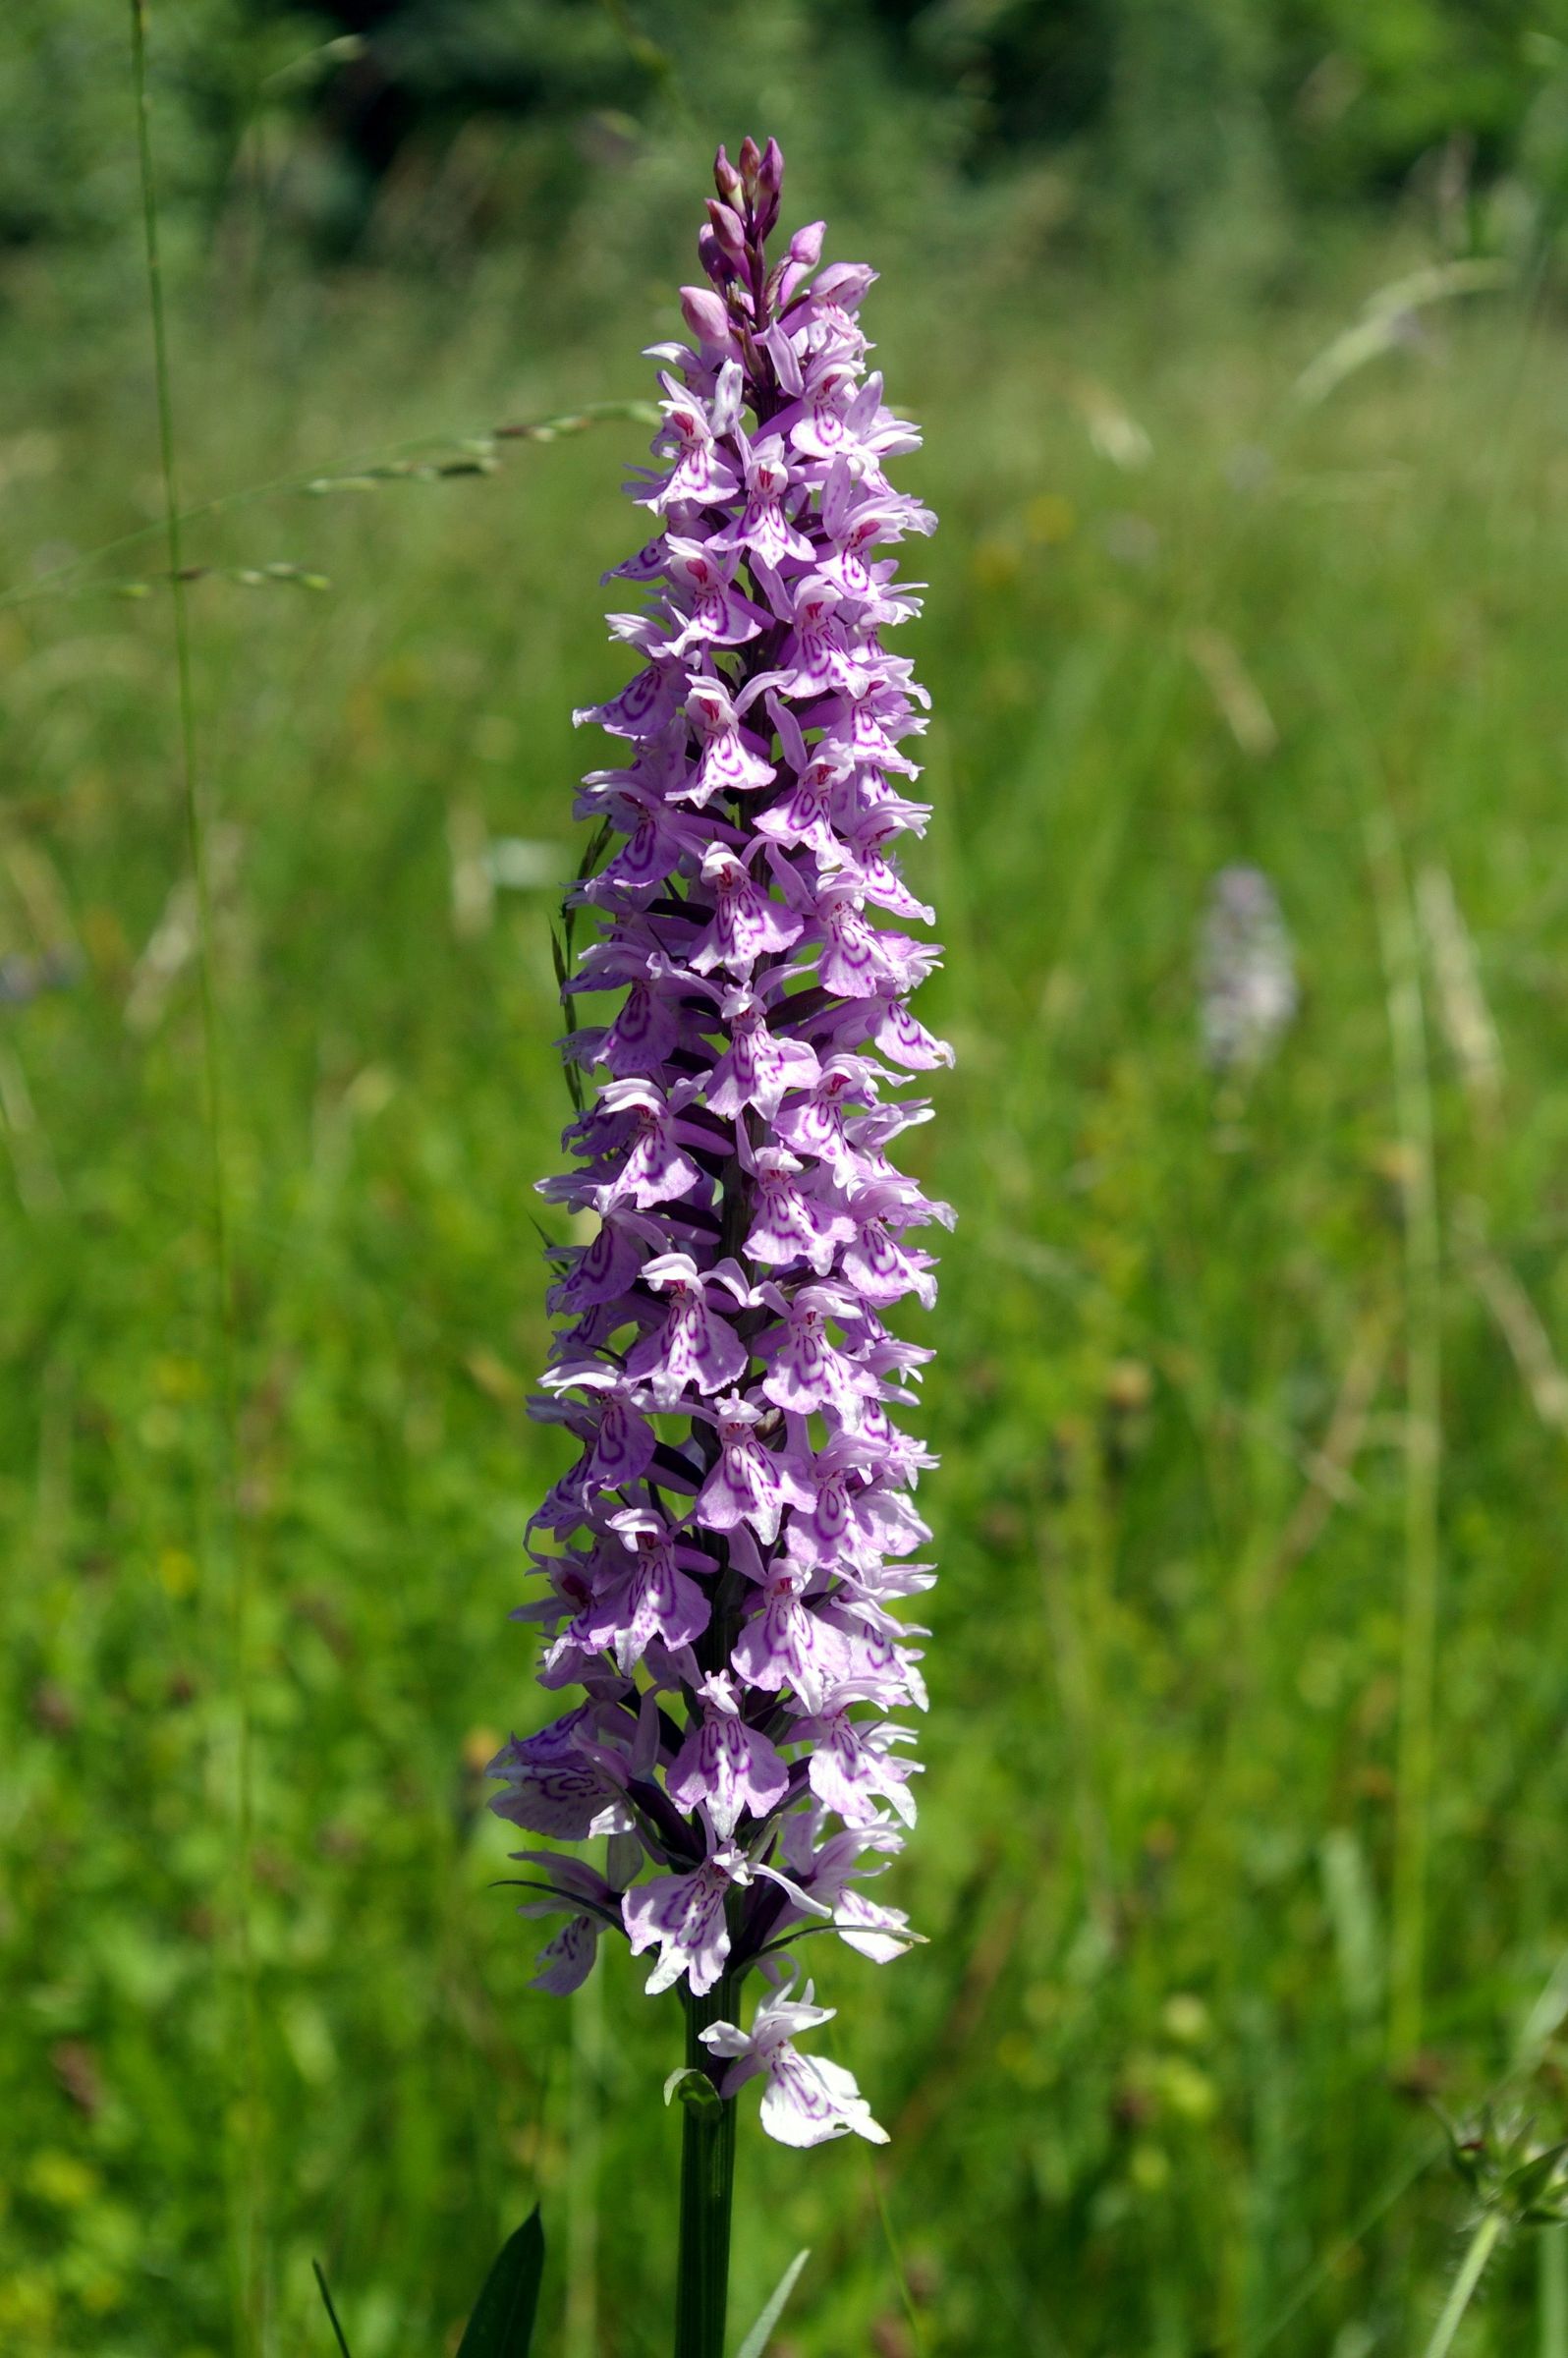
column 1242, row 1830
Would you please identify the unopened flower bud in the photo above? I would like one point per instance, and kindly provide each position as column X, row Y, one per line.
column 726, row 179
column 769, row 187
column 714, row 260
column 705, row 315
column 728, row 229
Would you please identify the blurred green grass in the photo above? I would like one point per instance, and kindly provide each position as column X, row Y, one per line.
column 1139, row 2081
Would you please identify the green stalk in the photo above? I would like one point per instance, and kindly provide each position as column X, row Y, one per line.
column 1471, row 2271
column 707, row 2189
column 245, row 2192
column 1417, row 1755
column 1552, row 2245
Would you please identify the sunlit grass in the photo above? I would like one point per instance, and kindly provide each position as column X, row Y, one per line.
column 1139, row 2081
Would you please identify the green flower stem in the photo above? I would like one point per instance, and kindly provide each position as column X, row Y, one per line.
column 1471, row 2271
column 707, row 2188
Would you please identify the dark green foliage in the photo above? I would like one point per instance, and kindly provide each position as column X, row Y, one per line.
column 502, row 2323
column 418, row 130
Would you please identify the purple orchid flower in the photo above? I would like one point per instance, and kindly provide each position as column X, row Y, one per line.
column 806, row 2100
column 726, row 1560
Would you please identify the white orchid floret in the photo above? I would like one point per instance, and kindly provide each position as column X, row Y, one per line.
column 807, row 2100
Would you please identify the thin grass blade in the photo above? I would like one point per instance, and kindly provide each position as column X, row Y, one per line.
column 326, row 2299
column 756, row 2341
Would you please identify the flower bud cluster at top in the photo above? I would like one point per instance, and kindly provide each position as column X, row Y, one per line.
column 728, row 1554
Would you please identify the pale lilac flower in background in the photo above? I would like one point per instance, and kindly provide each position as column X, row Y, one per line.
column 1247, row 974
column 727, row 1563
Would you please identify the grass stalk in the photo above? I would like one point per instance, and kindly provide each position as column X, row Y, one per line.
column 1078, row 1693
column 244, row 2169
column 1462, row 2291
column 1552, row 2265
column 1414, row 1771
column 895, row 2256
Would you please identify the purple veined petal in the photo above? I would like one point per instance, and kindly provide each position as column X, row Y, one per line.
column 818, row 432
column 792, row 1223
column 757, row 1067
column 746, row 924
column 887, row 1024
column 824, row 1532
column 696, row 1345
column 853, row 962
column 554, row 1786
column 878, row 881
column 783, row 1644
column 809, row 2100
column 651, row 1600
column 640, row 1039
column 600, row 1271
column 652, row 1167
column 683, row 1916
column 850, row 1770
column 648, row 565
column 807, row 1371
column 814, row 1125
column 651, row 851
column 763, row 528
column 645, row 1595
column 744, row 1486
column 642, row 709
column 884, row 1271
column 731, row 759
column 623, row 1447
column 804, row 815
column 878, row 1932
column 727, row 1768
column 804, row 2101
column 564, row 1963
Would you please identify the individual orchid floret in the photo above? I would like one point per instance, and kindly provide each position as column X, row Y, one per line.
column 693, row 1345
column 591, row 1904
column 725, row 1766
column 730, row 758
column 806, row 2099
column 724, row 1564
column 686, row 1918
column 749, row 1482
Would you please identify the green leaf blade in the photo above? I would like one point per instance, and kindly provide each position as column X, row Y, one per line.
column 756, row 2341
column 502, row 2323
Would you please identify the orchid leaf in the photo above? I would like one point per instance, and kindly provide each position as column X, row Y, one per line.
column 502, row 2323
column 696, row 2091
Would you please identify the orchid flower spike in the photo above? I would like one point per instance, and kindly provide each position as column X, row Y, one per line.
column 724, row 1564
